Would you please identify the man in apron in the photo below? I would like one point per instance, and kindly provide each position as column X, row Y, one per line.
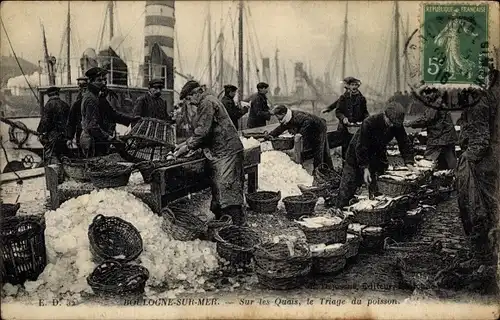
column 216, row 134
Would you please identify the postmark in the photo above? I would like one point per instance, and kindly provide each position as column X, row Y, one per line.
column 450, row 55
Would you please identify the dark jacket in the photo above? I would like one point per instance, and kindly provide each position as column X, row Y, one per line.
column 308, row 125
column 368, row 147
column 259, row 112
column 54, row 119
column 440, row 128
column 75, row 118
column 477, row 130
column 235, row 113
column 352, row 107
column 214, row 130
column 98, row 116
column 148, row 106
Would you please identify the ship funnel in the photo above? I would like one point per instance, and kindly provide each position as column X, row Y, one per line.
column 159, row 42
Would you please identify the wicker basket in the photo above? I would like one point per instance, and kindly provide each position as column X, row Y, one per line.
column 397, row 250
column 394, row 188
column 327, row 234
column 112, row 278
column 109, row 176
column 325, row 176
column 263, row 201
column 23, row 249
column 277, row 281
column 182, row 225
column 374, row 217
column 420, row 268
column 75, row 168
column 112, row 238
column 276, row 257
column 330, row 261
column 297, row 206
column 372, row 240
column 281, row 143
column 322, row 191
column 215, row 225
column 236, row 244
column 9, row 209
column 149, row 140
column 352, row 242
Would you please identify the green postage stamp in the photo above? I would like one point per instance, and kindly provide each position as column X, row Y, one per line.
column 454, row 43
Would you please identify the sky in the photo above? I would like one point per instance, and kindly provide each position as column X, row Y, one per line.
column 307, row 31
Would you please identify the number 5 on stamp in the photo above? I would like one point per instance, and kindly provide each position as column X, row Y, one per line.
column 453, row 48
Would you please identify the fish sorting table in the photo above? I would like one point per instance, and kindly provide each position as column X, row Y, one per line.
column 168, row 183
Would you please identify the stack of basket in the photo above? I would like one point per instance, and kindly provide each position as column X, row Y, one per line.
column 114, row 243
column 329, row 245
column 282, row 265
column 23, row 248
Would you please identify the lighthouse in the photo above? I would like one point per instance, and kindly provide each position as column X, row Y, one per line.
column 159, row 42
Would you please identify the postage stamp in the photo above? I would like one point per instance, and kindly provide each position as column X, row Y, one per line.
column 455, row 43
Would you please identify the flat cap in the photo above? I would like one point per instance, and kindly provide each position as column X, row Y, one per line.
column 230, row 87
column 82, row 79
column 280, row 109
column 262, row 85
column 188, row 87
column 53, row 89
column 350, row 80
column 95, row 72
column 156, row 82
column 396, row 113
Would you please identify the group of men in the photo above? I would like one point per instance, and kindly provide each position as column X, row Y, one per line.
column 215, row 131
column 90, row 122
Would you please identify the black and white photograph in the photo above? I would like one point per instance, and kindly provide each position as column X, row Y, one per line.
column 240, row 159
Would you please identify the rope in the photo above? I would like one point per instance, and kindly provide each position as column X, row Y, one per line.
column 17, row 60
column 254, row 30
column 130, row 30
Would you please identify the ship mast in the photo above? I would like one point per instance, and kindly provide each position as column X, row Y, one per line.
column 221, row 61
column 396, row 60
column 277, row 72
column 48, row 60
column 68, row 41
column 111, row 20
column 210, row 71
column 240, row 49
column 344, row 46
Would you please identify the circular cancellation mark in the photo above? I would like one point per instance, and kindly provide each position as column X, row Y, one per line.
column 450, row 62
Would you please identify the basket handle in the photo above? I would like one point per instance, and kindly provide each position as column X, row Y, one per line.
column 225, row 218
column 388, row 241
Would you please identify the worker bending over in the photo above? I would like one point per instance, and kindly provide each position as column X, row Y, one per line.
column 441, row 136
column 312, row 128
column 367, row 153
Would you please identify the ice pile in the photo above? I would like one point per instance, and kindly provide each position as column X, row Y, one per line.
column 170, row 262
column 277, row 172
column 249, row 143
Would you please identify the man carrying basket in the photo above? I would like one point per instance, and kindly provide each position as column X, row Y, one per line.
column 216, row 134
